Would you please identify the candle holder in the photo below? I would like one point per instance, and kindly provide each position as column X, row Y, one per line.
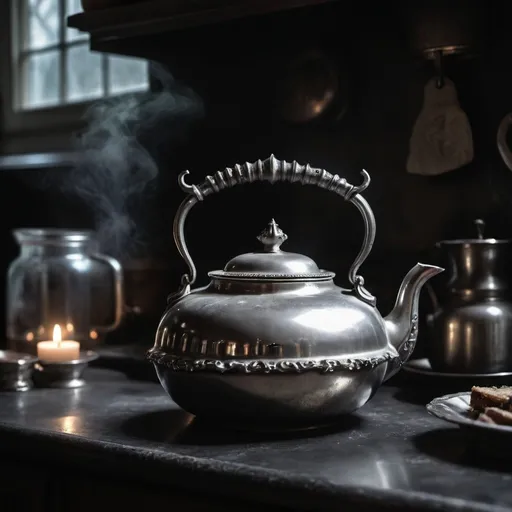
column 16, row 371
column 63, row 374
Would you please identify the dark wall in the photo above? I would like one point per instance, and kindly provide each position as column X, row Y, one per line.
column 237, row 68
column 237, row 73
column 386, row 80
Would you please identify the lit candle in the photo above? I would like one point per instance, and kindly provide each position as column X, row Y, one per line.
column 58, row 351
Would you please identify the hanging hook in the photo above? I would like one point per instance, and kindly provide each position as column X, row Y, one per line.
column 438, row 63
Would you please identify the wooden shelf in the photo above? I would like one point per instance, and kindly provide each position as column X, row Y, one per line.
column 106, row 26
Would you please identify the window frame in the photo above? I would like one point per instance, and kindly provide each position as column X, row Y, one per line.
column 20, row 122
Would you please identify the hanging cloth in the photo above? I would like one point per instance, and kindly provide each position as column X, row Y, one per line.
column 441, row 139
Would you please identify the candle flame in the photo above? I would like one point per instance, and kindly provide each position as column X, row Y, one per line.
column 57, row 334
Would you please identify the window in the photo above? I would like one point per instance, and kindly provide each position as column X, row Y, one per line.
column 56, row 67
column 50, row 75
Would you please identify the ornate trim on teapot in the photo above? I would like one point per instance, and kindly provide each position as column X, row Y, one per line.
column 267, row 366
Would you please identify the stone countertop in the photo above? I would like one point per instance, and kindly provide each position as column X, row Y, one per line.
column 389, row 454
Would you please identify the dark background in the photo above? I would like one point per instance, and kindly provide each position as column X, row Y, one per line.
column 237, row 67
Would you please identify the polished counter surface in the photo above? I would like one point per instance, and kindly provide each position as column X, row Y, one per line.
column 389, row 454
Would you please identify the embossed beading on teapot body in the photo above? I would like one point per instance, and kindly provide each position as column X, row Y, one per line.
column 271, row 337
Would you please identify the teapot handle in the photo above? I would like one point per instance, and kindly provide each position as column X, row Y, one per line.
column 501, row 140
column 274, row 170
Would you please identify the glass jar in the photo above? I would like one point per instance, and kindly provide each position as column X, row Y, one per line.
column 60, row 279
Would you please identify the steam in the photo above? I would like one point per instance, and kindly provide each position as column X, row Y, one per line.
column 120, row 152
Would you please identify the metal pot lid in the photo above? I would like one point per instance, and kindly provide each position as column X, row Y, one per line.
column 480, row 240
column 271, row 263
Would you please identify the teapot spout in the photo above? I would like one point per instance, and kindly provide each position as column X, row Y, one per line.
column 402, row 322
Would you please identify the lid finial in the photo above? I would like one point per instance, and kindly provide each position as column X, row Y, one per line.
column 480, row 226
column 272, row 237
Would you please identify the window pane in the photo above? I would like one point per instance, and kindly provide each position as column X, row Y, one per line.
column 41, row 79
column 127, row 74
column 43, row 23
column 72, row 34
column 83, row 68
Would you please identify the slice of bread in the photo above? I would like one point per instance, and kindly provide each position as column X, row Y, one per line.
column 483, row 397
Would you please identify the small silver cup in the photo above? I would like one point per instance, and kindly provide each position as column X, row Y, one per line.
column 16, row 370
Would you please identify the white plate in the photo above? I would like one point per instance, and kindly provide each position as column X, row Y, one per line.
column 455, row 409
column 422, row 367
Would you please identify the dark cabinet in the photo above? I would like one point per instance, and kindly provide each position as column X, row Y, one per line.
column 23, row 489
column 45, row 488
column 87, row 494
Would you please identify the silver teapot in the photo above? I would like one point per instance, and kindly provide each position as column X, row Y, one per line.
column 271, row 338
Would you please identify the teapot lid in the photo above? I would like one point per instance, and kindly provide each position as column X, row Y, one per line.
column 272, row 264
column 480, row 227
